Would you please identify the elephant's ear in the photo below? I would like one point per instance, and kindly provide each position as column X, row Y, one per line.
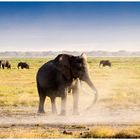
column 83, row 55
column 63, row 62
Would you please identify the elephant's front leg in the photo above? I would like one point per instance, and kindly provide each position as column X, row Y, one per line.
column 75, row 92
column 54, row 110
column 63, row 104
column 3, row 66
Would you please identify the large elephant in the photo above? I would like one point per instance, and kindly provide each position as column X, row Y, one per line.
column 23, row 65
column 56, row 77
column 5, row 63
column 105, row 63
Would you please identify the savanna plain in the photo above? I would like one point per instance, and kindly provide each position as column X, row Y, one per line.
column 116, row 113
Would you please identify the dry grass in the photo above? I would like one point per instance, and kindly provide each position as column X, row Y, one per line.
column 68, row 132
column 118, row 87
column 119, row 83
column 36, row 132
column 113, row 132
column 18, row 87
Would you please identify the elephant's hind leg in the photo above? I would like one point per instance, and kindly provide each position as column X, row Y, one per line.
column 42, row 98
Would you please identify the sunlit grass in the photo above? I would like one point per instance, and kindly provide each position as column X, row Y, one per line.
column 118, row 85
column 113, row 132
column 36, row 132
column 18, row 87
column 118, row 88
column 42, row 131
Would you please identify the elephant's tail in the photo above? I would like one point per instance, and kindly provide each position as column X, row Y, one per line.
column 38, row 87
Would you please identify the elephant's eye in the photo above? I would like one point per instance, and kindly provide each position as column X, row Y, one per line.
column 79, row 65
column 79, row 61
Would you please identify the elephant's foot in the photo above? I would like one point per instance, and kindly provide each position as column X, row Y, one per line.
column 41, row 111
column 54, row 112
column 63, row 113
column 76, row 113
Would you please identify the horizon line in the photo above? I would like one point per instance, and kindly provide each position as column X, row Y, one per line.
column 71, row 51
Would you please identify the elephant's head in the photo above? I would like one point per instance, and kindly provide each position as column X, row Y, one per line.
column 76, row 67
column 80, row 70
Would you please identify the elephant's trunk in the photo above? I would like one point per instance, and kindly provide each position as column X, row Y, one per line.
column 87, row 79
column 91, row 85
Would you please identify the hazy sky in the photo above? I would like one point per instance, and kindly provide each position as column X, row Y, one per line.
column 72, row 26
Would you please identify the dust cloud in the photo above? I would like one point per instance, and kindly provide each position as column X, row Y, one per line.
column 98, row 114
column 103, row 111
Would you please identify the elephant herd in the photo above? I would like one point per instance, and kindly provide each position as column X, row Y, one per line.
column 6, row 64
column 59, row 76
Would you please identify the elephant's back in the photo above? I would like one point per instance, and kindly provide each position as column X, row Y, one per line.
column 47, row 75
column 24, row 64
column 45, row 69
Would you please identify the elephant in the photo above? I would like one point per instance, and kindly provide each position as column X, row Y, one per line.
column 5, row 63
column 59, row 76
column 105, row 63
column 0, row 63
column 23, row 65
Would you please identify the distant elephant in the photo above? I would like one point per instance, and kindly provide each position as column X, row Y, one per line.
column 60, row 75
column 5, row 63
column 0, row 63
column 105, row 63
column 23, row 65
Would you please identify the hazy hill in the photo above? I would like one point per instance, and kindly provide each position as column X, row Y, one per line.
column 34, row 54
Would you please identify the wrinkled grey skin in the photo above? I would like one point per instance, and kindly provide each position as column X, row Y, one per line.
column 58, row 77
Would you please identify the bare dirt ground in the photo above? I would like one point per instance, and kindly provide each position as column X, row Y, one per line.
column 97, row 115
column 26, row 120
column 117, row 105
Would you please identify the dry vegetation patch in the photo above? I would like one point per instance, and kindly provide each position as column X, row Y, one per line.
column 118, row 89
